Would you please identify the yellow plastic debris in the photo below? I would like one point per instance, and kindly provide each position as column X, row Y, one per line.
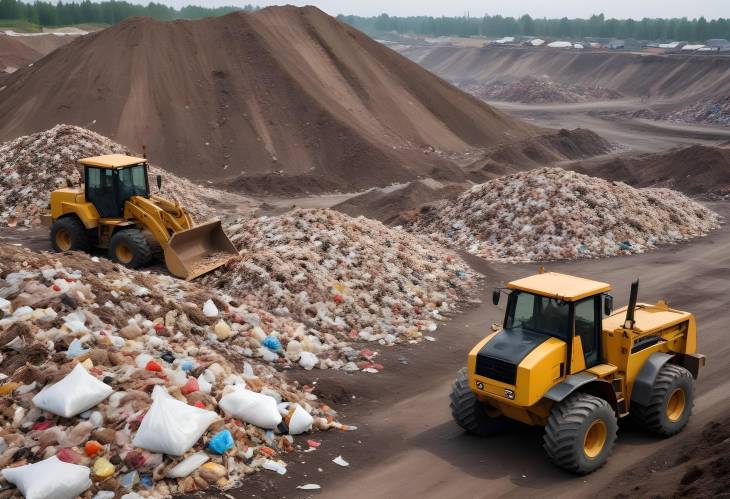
column 8, row 388
column 103, row 468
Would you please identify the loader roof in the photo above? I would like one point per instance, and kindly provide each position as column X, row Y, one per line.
column 561, row 286
column 112, row 161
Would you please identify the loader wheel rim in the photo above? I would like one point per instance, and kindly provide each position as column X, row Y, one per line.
column 63, row 239
column 595, row 438
column 675, row 405
column 123, row 253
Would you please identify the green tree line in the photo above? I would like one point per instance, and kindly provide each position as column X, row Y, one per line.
column 108, row 12
column 684, row 29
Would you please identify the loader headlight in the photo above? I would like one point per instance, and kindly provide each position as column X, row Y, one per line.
column 480, row 385
column 509, row 394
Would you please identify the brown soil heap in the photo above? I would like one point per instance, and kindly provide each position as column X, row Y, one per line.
column 15, row 54
column 283, row 99
column 694, row 170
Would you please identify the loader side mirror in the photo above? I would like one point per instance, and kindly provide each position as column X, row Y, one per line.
column 496, row 295
column 159, row 181
column 607, row 304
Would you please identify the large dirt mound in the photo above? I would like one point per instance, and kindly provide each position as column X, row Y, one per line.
column 555, row 214
column 135, row 331
column 281, row 92
column 345, row 278
column 530, row 90
column 694, row 170
column 541, row 150
column 14, row 54
column 33, row 166
column 393, row 206
column 684, row 78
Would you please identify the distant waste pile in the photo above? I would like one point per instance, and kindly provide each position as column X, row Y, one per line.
column 714, row 111
column 116, row 382
column 347, row 279
column 31, row 167
column 537, row 91
column 554, row 214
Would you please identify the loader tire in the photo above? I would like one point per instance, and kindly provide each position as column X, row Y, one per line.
column 580, row 433
column 469, row 412
column 69, row 234
column 670, row 405
column 130, row 248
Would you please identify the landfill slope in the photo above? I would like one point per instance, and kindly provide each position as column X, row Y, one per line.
column 280, row 100
column 15, row 54
column 135, row 333
column 678, row 77
column 693, row 170
column 555, row 214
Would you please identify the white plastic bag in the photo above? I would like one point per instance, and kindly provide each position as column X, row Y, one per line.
column 188, row 465
column 79, row 391
column 170, row 426
column 300, row 421
column 251, row 407
column 49, row 479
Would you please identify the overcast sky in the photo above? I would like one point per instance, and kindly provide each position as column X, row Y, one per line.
column 537, row 8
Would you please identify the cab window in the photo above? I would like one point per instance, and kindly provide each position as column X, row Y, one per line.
column 100, row 191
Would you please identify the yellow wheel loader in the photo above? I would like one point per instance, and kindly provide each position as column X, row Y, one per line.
column 564, row 360
column 114, row 210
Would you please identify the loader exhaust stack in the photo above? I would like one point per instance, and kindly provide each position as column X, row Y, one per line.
column 630, row 322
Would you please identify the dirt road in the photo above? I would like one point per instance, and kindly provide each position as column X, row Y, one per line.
column 636, row 135
column 410, row 446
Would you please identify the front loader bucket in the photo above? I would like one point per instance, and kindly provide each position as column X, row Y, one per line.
column 199, row 250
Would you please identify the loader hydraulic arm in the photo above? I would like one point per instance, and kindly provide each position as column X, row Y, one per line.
column 154, row 215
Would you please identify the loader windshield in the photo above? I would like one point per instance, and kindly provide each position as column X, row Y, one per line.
column 133, row 182
column 538, row 313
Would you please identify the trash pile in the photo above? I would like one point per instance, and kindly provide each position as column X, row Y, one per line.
column 117, row 383
column 537, row 91
column 555, row 214
column 32, row 166
column 346, row 279
column 710, row 111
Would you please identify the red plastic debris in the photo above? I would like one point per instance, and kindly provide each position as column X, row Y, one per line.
column 68, row 456
column 56, row 287
column 43, row 425
column 199, row 404
column 93, row 448
column 313, row 443
column 159, row 327
column 353, row 334
column 153, row 366
column 134, row 460
column 190, row 387
column 338, row 298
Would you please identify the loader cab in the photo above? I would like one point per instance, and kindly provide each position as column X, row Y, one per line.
column 563, row 307
column 112, row 179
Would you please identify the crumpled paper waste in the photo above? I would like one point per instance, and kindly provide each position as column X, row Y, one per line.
column 556, row 214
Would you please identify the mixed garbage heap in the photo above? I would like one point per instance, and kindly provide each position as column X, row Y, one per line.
column 117, row 382
column 31, row 167
column 714, row 111
column 555, row 214
column 536, row 91
column 347, row 279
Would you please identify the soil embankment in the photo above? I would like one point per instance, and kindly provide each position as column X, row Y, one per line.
column 282, row 101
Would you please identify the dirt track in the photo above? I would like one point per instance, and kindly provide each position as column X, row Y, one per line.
column 410, row 444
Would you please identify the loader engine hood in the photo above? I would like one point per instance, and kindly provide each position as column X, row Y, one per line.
column 499, row 357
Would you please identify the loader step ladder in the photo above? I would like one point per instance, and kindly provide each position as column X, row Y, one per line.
column 618, row 388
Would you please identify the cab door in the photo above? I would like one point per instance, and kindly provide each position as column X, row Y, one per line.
column 588, row 328
column 101, row 191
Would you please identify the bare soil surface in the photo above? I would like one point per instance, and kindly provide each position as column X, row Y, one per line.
column 14, row 54
column 282, row 101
